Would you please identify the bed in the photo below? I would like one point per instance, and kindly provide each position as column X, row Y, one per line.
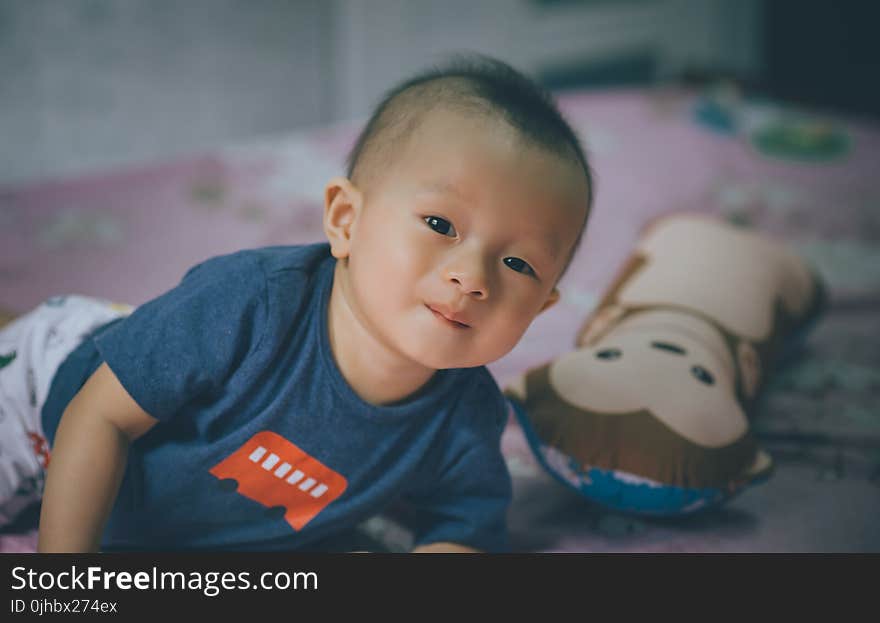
column 129, row 235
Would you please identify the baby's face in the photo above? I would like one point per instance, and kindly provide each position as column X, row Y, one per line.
column 460, row 241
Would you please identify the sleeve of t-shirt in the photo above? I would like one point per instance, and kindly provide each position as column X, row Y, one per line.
column 468, row 499
column 186, row 343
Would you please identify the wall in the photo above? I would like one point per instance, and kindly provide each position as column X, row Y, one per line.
column 377, row 43
column 91, row 84
column 87, row 84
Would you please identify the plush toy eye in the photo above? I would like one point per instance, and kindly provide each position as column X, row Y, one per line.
column 672, row 348
column 703, row 375
column 608, row 353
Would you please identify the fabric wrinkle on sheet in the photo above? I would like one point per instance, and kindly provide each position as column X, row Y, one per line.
column 32, row 347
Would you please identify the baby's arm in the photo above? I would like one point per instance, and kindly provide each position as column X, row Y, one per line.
column 87, row 463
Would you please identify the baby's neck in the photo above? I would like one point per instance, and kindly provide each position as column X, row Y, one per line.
column 375, row 373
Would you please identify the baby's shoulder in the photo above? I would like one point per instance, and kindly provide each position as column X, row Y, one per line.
column 273, row 271
column 289, row 258
column 269, row 262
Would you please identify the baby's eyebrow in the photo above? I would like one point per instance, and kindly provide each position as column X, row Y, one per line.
column 549, row 247
column 442, row 188
column 551, row 250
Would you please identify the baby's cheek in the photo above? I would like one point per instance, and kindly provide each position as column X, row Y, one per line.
column 507, row 333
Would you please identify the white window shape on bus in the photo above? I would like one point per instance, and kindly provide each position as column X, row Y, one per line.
column 297, row 475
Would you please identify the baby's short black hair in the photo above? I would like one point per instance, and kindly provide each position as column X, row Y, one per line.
column 470, row 83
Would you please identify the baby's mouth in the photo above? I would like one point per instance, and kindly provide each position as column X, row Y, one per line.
column 449, row 321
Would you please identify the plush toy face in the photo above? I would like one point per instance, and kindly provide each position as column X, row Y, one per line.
column 651, row 412
column 633, row 368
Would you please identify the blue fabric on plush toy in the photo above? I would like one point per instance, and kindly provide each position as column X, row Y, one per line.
column 650, row 413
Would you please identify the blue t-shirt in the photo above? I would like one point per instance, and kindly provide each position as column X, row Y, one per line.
column 262, row 443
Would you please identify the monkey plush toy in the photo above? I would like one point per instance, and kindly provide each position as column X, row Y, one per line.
column 650, row 413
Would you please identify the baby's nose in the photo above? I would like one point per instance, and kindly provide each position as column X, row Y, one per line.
column 471, row 286
column 467, row 268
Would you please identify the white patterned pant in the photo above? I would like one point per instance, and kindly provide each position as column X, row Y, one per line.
column 32, row 347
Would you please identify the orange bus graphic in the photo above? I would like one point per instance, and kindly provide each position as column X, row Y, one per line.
column 276, row 473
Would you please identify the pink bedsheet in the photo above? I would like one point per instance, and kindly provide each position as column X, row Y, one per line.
column 129, row 235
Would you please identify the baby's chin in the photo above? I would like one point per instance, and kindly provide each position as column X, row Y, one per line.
column 437, row 359
column 439, row 348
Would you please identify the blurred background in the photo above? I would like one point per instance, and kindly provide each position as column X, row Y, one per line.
column 139, row 137
column 87, row 85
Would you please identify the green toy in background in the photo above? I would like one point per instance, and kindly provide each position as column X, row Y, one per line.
column 801, row 139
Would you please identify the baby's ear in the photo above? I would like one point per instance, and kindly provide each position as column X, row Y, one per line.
column 342, row 204
column 552, row 299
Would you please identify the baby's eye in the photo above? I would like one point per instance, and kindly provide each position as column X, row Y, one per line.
column 520, row 266
column 441, row 226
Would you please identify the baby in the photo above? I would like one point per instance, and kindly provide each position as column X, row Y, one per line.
column 281, row 395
